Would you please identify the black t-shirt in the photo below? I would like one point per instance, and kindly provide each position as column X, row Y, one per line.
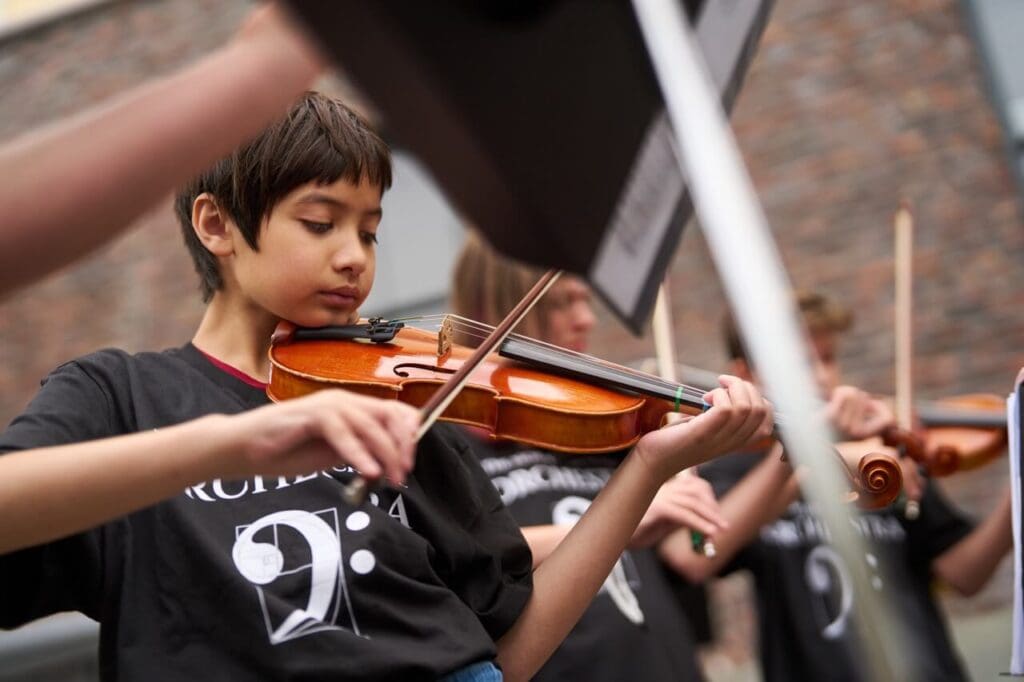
column 803, row 592
column 267, row 578
column 635, row 628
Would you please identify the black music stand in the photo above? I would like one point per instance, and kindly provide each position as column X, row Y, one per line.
column 542, row 121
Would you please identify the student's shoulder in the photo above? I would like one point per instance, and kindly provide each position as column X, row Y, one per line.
column 119, row 377
column 97, row 395
column 116, row 362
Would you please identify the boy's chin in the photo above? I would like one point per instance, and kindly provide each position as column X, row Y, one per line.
column 332, row 319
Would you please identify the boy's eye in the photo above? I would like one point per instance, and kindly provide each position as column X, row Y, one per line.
column 369, row 237
column 315, row 227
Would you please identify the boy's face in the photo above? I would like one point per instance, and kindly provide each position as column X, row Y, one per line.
column 317, row 254
column 824, row 347
column 824, row 362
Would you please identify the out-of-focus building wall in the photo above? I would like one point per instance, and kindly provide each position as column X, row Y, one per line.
column 140, row 292
column 849, row 107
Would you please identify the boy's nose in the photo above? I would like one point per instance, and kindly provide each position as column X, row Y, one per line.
column 349, row 254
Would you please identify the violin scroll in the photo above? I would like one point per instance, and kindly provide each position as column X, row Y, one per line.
column 878, row 482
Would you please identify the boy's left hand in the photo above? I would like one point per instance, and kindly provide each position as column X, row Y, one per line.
column 739, row 418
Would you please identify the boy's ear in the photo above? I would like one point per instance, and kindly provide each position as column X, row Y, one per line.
column 211, row 225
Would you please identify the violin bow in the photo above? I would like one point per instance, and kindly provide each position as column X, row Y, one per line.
column 356, row 490
column 664, row 352
column 903, row 266
column 754, row 280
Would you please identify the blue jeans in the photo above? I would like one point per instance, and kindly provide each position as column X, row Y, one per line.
column 478, row 672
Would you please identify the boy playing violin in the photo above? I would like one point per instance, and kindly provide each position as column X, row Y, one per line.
column 804, row 599
column 110, row 164
column 254, row 577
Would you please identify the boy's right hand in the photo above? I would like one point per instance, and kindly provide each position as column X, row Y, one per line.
column 326, row 429
column 739, row 418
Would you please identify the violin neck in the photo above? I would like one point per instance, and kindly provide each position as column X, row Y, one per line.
column 937, row 415
column 594, row 371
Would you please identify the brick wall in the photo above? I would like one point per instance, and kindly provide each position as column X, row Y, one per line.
column 140, row 292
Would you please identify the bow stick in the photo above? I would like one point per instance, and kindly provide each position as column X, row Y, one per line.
column 903, row 229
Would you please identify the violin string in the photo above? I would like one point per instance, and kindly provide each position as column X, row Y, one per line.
column 468, row 327
column 475, row 329
column 621, row 370
column 479, row 330
column 695, row 393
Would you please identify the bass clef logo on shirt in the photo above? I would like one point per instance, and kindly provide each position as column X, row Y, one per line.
column 617, row 586
column 296, row 552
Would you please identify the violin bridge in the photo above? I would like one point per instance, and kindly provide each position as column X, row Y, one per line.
column 444, row 338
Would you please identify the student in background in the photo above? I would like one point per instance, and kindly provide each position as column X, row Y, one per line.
column 635, row 628
column 804, row 600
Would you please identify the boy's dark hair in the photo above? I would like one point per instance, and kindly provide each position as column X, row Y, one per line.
column 818, row 312
column 319, row 140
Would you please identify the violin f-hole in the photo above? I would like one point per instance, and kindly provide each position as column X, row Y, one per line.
column 397, row 369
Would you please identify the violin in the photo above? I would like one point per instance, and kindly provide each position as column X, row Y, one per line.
column 528, row 391
column 954, row 434
column 974, row 426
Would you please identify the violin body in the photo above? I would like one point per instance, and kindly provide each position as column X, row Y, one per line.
column 506, row 398
column 954, row 434
column 959, row 423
